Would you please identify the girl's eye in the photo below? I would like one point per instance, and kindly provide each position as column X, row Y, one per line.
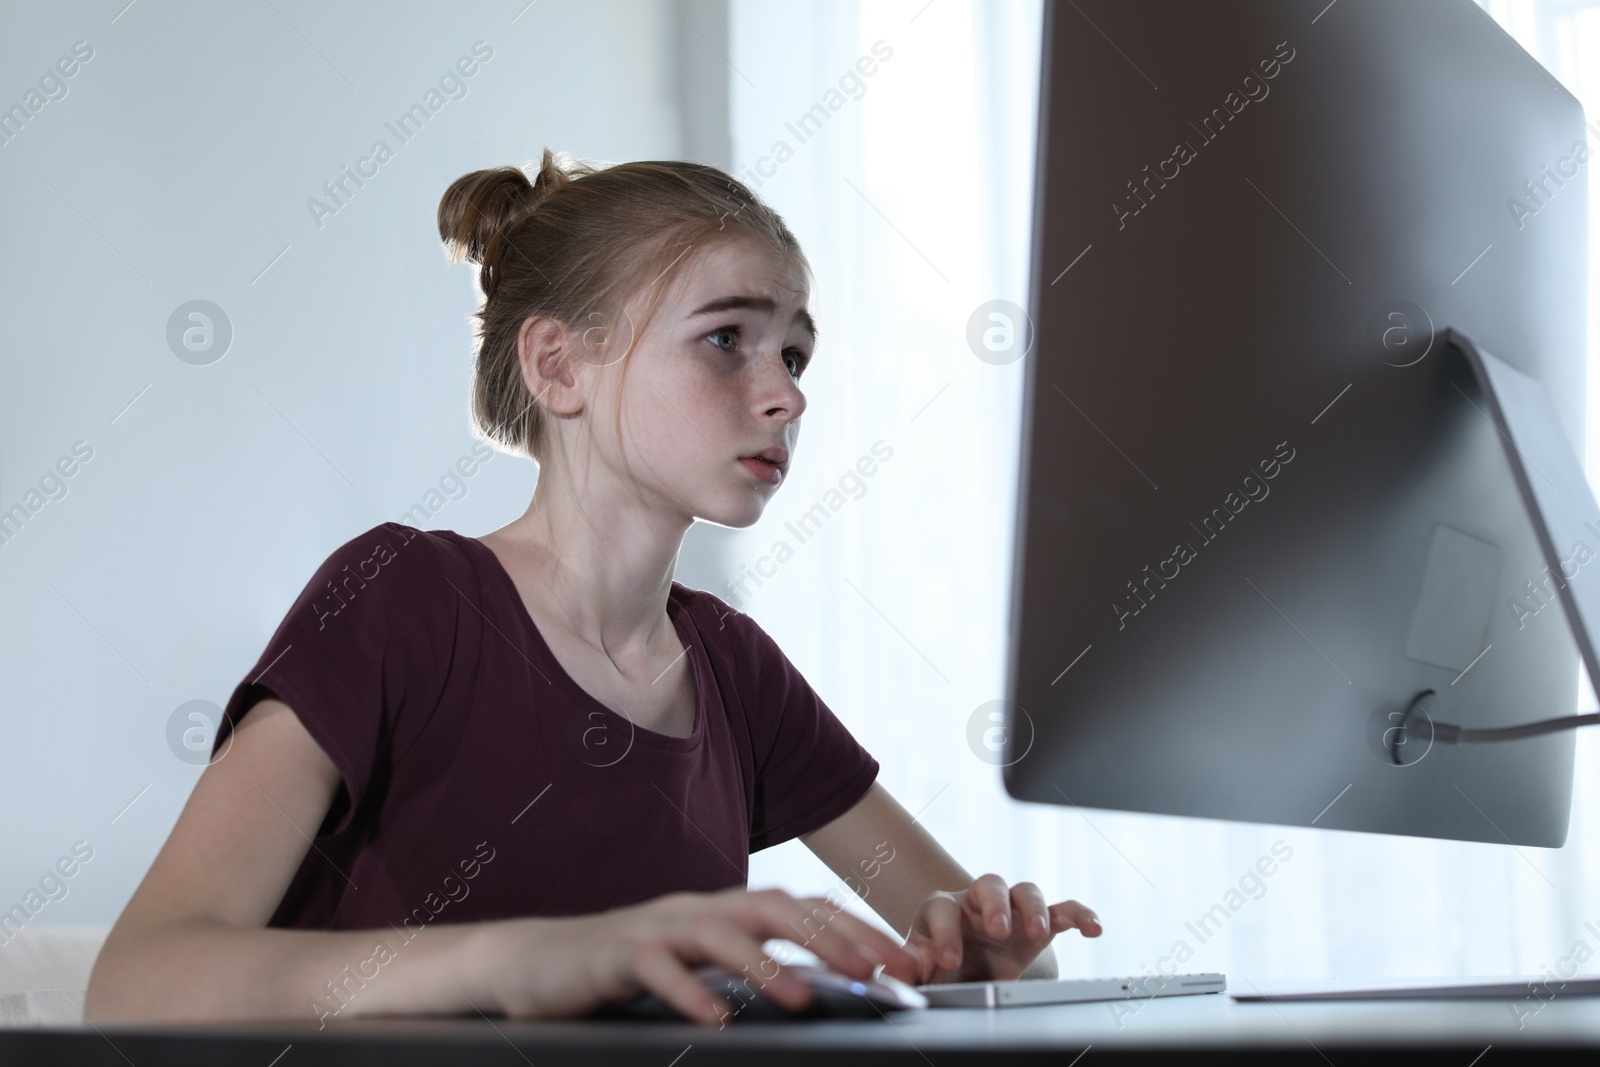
column 793, row 358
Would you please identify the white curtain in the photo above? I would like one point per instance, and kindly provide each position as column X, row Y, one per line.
column 909, row 188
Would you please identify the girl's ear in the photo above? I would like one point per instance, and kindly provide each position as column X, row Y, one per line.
column 544, row 350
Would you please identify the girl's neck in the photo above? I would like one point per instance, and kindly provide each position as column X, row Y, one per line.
column 602, row 563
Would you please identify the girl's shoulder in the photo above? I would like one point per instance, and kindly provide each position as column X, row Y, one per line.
column 713, row 617
column 392, row 566
column 379, row 548
column 731, row 633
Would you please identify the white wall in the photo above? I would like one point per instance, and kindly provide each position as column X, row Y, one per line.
column 178, row 167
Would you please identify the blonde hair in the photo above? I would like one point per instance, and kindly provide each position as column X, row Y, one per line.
column 578, row 242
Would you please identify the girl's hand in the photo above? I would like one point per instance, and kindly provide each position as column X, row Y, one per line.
column 572, row 966
column 989, row 931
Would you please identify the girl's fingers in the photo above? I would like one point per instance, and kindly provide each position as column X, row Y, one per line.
column 922, row 973
column 989, row 909
column 726, row 945
column 990, row 898
column 850, row 945
column 1070, row 915
column 941, row 916
column 885, row 947
column 1033, row 915
column 661, row 972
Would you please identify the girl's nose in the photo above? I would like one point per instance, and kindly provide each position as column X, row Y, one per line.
column 780, row 394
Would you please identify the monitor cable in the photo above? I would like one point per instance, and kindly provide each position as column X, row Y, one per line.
column 1453, row 734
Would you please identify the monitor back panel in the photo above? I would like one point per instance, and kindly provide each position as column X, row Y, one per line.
column 1259, row 507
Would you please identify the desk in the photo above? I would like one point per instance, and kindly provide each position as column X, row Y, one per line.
column 1209, row 1029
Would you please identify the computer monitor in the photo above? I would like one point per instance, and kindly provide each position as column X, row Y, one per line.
column 1262, row 504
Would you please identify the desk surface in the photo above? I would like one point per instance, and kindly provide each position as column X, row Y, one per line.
column 1210, row 1028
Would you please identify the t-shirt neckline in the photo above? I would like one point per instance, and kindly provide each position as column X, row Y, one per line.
column 676, row 611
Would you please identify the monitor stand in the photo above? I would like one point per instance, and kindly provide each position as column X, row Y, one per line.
column 1562, row 509
column 1549, row 475
column 1539, row 988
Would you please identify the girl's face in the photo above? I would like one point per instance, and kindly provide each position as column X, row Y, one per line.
column 711, row 407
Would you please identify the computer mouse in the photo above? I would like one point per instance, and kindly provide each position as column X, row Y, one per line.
column 834, row 996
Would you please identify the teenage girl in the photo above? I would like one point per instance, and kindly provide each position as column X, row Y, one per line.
column 523, row 773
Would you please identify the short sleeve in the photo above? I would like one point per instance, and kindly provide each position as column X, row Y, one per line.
column 809, row 769
column 361, row 657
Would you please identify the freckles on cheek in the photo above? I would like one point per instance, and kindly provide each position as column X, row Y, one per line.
column 681, row 415
column 704, row 404
column 671, row 429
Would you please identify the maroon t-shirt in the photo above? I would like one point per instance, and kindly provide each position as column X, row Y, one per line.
column 480, row 781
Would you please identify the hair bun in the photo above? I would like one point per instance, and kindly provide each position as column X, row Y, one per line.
column 479, row 211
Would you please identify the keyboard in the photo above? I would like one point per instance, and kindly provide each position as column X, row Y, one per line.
column 1030, row 991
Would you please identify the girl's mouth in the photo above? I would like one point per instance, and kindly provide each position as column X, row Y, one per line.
column 763, row 469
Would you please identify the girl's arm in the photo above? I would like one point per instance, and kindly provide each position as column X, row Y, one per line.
column 962, row 928
column 192, row 943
